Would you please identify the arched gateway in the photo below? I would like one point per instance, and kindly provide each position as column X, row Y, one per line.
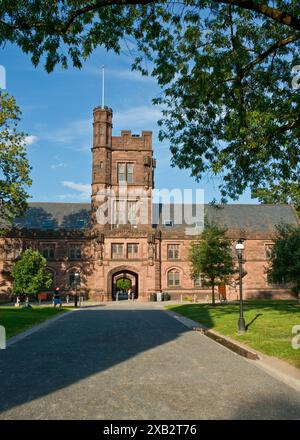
column 123, row 277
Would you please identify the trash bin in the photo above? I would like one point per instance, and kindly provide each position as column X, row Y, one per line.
column 152, row 296
column 158, row 296
column 165, row 296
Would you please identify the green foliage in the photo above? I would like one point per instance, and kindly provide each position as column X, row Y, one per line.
column 225, row 68
column 14, row 167
column 211, row 256
column 123, row 284
column 283, row 192
column 29, row 273
column 285, row 257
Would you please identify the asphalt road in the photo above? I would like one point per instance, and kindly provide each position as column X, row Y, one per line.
column 134, row 362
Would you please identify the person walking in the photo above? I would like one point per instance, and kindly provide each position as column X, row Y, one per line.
column 57, row 297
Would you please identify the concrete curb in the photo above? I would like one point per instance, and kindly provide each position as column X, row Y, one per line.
column 36, row 328
column 275, row 367
column 238, row 348
column 227, row 342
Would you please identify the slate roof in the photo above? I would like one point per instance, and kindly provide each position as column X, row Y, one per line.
column 76, row 216
column 252, row 218
column 73, row 216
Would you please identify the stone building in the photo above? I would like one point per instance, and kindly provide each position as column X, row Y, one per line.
column 105, row 240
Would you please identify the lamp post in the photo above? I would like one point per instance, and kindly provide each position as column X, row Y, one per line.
column 76, row 279
column 239, row 250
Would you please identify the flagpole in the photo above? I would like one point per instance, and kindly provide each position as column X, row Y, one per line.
column 102, row 86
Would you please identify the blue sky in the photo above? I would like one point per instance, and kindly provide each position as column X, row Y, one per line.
column 57, row 116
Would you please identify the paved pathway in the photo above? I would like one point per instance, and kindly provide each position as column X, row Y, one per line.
column 133, row 361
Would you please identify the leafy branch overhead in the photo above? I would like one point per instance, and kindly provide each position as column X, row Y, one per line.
column 14, row 166
column 224, row 67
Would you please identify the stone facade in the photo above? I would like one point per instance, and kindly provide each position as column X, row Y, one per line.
column 152, row 255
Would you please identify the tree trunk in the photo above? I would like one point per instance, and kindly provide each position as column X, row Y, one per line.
column 213, row 293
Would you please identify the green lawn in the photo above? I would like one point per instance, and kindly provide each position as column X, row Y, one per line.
column 269, row 324
column 16, row 319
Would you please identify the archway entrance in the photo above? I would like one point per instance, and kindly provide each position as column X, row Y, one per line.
column 122, row 281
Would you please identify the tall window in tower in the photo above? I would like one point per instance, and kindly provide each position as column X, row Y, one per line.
column 125, row 172
column 130, row 173
column 131, row 212
column 120, row 212
column 121, row 172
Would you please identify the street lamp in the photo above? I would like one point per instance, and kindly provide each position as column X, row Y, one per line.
column 76, row 279
column 239, row 250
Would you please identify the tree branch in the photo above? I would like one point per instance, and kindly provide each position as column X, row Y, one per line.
column 287, row 127
column 282, row 17
column 268, row 52
column 275, row 14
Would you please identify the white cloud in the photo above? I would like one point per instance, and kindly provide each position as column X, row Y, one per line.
column 78, row 135
column 29, row 140
column 127, row 74
column 84, row 190
column 141, row 118
column 58, row 165
column 74, row 131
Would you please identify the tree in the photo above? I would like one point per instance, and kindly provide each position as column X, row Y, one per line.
column 123, row 284
column 285, row 257
column 211, row 256
column 14, row 166
column 284, row 192
column 224, row 66
column 29, row 273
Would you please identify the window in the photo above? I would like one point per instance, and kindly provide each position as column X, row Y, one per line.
column 121, row 172
column 173, row 278
column 173, row 251
column 130, row 173
column 47, row 224
column 117, row 250
column 199, row 281
column 81, row 223
column 132, row 250
column 125, row 212
column 131, row 213
column 125, row 172
column 119, row 212
column 48, row 251
column 75, row 252
column 268, row 250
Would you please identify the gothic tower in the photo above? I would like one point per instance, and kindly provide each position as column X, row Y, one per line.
column 123, row 174
column 102, row 154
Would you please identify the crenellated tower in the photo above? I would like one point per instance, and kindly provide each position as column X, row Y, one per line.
column 121, row 164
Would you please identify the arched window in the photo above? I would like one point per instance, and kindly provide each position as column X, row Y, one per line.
column 173, row 278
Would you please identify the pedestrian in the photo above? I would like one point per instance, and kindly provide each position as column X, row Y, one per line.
column 129, row 293
column 57, row 298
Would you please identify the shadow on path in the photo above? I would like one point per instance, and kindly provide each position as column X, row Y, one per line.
column 77, row 346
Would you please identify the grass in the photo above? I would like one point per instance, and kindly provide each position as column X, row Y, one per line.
column 16, row 320
column 269, row 324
